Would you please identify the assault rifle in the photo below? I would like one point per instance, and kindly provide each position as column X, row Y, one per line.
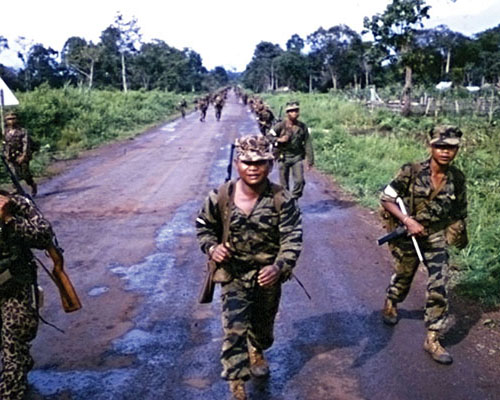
column 69, row 297
column 207, row 289
column 395, row 234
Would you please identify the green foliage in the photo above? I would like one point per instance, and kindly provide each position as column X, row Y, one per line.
column 364, row 150
column 69, row 120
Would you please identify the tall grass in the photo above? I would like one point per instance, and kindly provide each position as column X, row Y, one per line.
column 364, row 150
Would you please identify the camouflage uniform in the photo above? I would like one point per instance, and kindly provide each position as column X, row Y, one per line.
column 264, row 237
column 17, row 144
column 265, row 119
column 218, row 105
column 449, row 205
column 19, row 316
column 203, row 106
column 290, row 154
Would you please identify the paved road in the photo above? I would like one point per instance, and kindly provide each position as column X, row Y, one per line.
column 125, row 216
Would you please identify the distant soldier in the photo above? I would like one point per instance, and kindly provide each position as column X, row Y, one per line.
column 17, row 149
column 434, row 195
column 182, row 107
column 293, row 144
column 218, row 105
column 265, row 118
column 263, row 245
column 203, row 106
column 22, row 228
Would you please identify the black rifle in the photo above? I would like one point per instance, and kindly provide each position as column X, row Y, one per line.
column 395, row 234
column 230, row 165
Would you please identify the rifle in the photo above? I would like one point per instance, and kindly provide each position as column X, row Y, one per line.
column 230, row 165
column 69, row 297
column 279, row 114
column 395, row 234
column 207, row 289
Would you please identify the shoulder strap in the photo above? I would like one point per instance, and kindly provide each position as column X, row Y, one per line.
column 224, row 200
column 278, row 198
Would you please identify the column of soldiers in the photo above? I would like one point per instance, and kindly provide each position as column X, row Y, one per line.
column 262, row 235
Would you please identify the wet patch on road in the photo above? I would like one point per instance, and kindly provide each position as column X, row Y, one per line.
column 160, row 336
column 97, row 291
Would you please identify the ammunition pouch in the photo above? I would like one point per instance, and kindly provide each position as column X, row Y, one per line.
column 456, row 234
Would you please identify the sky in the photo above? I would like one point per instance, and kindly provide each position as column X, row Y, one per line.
column 224, row 32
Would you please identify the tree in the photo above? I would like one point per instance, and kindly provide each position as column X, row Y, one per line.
column 107, row 71
column 129, row 37
column 80, row 57
column 260, row 74
column 394, row 31
column 336, row 50
column 42, row 67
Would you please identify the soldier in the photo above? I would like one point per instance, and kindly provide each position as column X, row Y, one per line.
column 182, row 107
column 203, row 106
column 218, row 105
column 265, row 118
column 22, row 227
column 17, row 149
column 264, row 242
column 434, row 194
column 293, row 144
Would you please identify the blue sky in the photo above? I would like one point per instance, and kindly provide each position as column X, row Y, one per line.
column 223, row 32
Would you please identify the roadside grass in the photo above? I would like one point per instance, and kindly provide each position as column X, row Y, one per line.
column 363, row 150
column 67, row 121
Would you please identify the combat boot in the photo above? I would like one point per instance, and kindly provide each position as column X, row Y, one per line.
column 237, row 388
column 259, row 367
column 434, row 348
column 390, row 312
column 34, row 189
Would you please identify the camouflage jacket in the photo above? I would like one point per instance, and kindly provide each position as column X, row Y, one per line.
column 26, row 230
column 299, row 141
column 449, row 205
column 16, row 143
column 264, row 237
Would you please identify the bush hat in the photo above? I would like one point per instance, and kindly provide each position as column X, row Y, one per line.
column 253, row 148
column 445, row 134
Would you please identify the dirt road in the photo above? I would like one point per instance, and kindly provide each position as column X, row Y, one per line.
column 125, row 216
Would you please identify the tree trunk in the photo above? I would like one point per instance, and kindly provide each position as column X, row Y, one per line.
column 448, row 60
column 310, row 83
column 406, row 95
column 124, row 74
column 91, row 74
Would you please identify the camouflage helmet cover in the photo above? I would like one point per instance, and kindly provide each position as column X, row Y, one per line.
column 445, row 134
column 253, row 148
column 292, row 106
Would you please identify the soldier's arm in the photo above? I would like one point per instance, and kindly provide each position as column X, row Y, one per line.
column 208, row 225
column 290, row 228
column 24, row 154
column 460, row 206
column 399, row 186
column 28, row 224
column 309, row 148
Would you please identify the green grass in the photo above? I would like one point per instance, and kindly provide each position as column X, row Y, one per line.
column 364, row 150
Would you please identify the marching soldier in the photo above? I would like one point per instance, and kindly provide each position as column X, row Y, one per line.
column 293, row 145
column 17, row 150
column 434, row 194
column 264, row 242
column 22, row 227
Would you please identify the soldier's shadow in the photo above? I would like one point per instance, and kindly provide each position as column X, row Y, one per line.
column 319, row 335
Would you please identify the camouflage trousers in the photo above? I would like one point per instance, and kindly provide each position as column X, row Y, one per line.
column 296, row 166
column 434, row 251
column 19, row 323
column 248, row 314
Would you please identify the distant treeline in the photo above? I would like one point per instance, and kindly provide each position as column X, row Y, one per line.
column 120, row 60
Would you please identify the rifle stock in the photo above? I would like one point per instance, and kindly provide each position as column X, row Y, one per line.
column 69, row 297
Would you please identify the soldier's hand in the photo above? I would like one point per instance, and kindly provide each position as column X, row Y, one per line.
column 268, row 275
column 414, row 227
column 4, row 209
column 220, row 253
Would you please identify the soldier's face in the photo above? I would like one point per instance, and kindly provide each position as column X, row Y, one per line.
column 293, row 115
column 253, row 173
column 443, row 154
column 10, row 121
